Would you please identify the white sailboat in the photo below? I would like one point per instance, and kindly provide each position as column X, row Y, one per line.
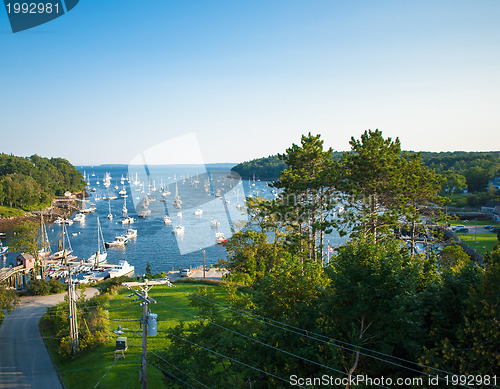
column 44, row 241
column 99, row 256
column 177, row 201
column 110, row 215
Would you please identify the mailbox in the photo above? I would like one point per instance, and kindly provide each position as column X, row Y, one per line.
column 121, row 343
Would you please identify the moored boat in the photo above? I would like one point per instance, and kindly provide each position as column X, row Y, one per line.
column 118, row 241
column 220, row 238
column 122, row 269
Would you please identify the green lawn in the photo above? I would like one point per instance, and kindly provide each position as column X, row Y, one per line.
column 10, row 212
column 484, row 241
column 87, row 369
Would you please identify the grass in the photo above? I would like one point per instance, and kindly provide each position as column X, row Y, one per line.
column 483, row 242
column 10, row 211
column 87, row 368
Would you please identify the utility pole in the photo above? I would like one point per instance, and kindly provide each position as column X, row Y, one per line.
column 73, row 314
column 203, row 264
column 146, row 300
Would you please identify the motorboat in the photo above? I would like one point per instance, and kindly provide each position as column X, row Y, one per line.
column 131, row 233
column 220, row 238
column 144, row 213
column 178, row 230
column 3, row 249
column 127, row 220
column 167, row 220
column 198, row 212
column 80, row 218
column 122, row 269
column 118, row 241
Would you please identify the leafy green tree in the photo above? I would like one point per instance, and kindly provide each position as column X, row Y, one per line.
column 26, row 238
column 8, row 301
column 473, row 347
column 148, row 274
column 453, row 258
column 371, row 302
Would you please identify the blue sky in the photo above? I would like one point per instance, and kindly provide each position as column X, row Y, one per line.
column 112, row 78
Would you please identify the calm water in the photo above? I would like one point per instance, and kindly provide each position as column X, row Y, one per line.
column 155, row 242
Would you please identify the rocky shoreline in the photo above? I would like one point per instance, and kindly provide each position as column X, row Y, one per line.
column 60, row 207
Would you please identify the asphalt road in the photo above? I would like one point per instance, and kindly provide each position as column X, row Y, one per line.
column 24, row 359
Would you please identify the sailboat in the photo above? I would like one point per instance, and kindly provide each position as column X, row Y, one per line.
column 177, row 201
column 44, row 241
column 126, row 220
column 110, row 215
column 99, row 256
column 64, row 253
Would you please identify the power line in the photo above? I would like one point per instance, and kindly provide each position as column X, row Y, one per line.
column 171, row 364
column 265, row 344
column 170, row 375
column 232, row 359
column 334, row 340
column 98, row 382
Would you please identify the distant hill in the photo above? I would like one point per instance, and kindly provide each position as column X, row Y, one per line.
column 477, row 167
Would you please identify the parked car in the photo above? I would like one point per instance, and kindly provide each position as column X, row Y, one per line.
column 488, row 227
column 185, row 272
column 455, row 228
column 462, row 230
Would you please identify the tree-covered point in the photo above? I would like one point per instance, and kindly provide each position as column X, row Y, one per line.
column 28, row 182
column 268, row 168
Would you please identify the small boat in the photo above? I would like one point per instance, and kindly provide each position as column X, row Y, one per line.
column 220, row 238
column 214, row 223
column 119, row 241
column 178, row 230
column 127, row 220
column 122, row 269
column 80, row 218
column 144, row 213
column 167, row 220
column 3, row 249
column 179, row 215
column 123, row 192
column 131, row 233
column 3, row 235
column 198, row 212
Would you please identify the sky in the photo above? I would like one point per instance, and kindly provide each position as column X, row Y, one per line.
column 111, row 79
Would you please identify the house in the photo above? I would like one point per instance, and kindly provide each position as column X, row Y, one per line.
column 494, row 182
column 25, row 260
column 492, row 207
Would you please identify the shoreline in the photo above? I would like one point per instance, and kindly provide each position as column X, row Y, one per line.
column 60, row 206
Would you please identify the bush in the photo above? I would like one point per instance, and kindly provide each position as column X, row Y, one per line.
column 43, row 288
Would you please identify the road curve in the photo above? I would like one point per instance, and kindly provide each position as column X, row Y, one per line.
column 24, row 359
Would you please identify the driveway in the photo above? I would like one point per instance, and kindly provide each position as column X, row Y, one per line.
column 24, row 359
